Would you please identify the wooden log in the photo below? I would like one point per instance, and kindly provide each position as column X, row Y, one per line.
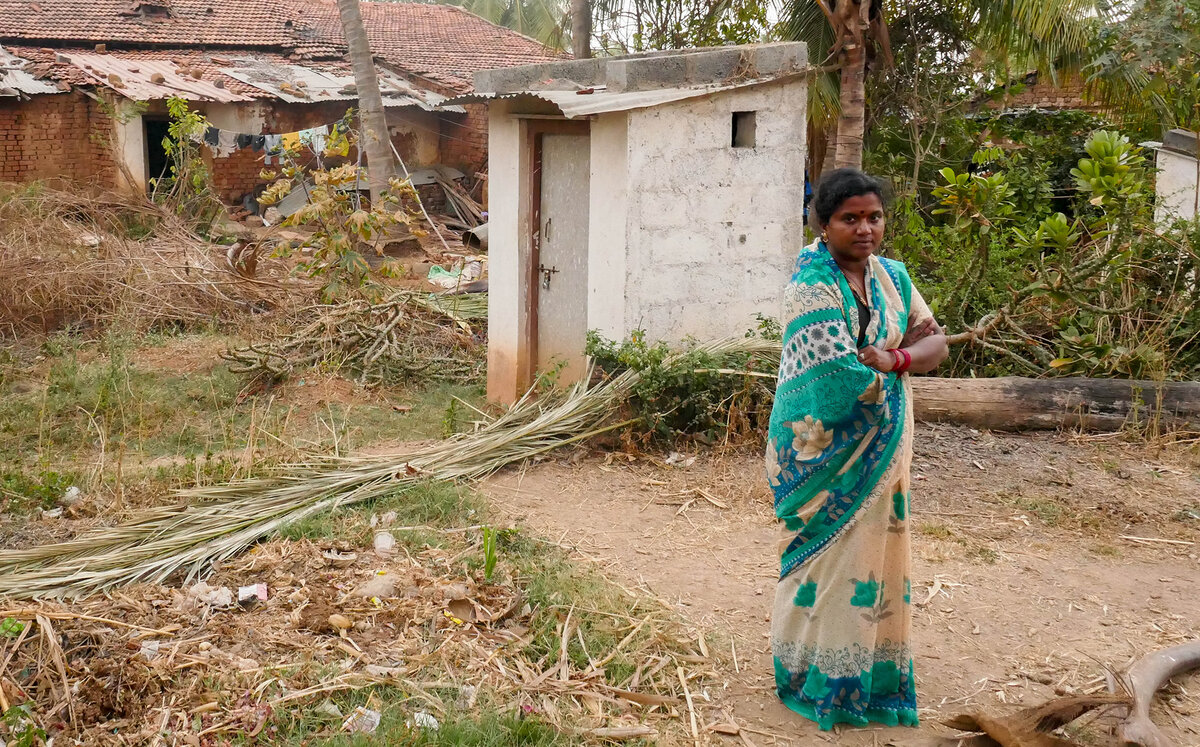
column 1014, row 403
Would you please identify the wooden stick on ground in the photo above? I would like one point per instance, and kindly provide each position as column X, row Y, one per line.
column 687, row 695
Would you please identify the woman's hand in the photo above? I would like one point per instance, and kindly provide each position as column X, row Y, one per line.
column 920, row 331
column 877, row 358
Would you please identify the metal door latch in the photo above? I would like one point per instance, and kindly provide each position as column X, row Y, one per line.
column 546, row 273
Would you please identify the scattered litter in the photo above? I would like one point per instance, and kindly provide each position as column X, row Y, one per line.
column 213, row 596
column 675, row 459
column 54, row 513
column 385, row 543
column 340, row 622
column 424, row 720
column 388, row 518
column 444, row 278
column 463, row 272
column 251, row 594
column 381, row 585
column 71, row 496
column 329, row 708
column 340, row 559
column 466, row 697
column 149, row 650
column 462, row 609
column 362, row 721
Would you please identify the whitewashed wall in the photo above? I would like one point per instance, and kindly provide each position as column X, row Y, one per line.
column 1177, row 186
column 712, row 230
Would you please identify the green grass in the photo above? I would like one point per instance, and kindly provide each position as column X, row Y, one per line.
column 1106, row 551
column 1052, row 513
column 486, row 726
column 21, row 493
column 433, row 504
column 936, row 531
column 82, row 402
column 984, row 555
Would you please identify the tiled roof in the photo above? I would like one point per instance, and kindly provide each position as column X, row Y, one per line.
column 53, row 65
column 441, row 43
column 223, row 23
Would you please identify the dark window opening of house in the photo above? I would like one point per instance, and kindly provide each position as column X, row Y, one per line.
column 743, row 129
column 157, row 163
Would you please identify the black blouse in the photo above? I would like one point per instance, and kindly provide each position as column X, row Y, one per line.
column 864, row 319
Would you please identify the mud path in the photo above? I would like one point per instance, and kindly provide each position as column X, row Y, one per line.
column 1022, row 583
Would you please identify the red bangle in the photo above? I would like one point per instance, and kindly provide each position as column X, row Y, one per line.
column 903, row 360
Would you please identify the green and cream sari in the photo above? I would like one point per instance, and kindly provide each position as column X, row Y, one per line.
column 838, row 462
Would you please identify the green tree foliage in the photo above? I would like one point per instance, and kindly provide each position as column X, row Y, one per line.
column 624, row 26
column 1147, row 67
column 1040, row 283
column 944, row 51
column 544, row 20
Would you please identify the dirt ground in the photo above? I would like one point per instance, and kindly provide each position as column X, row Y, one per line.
column 1026, row 582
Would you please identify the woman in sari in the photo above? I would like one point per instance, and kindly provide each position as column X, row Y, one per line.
column 838, row 458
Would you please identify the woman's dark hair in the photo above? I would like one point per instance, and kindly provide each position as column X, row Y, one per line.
column 839, row 185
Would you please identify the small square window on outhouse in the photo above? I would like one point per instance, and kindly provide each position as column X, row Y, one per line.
column 743, row 129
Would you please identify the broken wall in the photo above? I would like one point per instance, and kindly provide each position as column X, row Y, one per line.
column 61, row 136
column 415, row 133
column 464, row 140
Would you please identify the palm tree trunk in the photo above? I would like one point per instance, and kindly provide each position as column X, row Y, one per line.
column 581, row 28
column 853, row 94
column 376, row 142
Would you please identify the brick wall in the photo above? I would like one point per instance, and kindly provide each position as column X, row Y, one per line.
column 56, row 136
column 1040, row 92
column 65, row 135
column 414, row 133
column 465, row 139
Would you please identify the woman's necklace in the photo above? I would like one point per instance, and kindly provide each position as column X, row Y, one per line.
column 857, row 286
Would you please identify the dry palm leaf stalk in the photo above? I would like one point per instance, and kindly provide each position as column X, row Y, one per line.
column 405, row 333
column 211, row 524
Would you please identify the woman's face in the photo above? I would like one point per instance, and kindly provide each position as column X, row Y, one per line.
column 855, row 230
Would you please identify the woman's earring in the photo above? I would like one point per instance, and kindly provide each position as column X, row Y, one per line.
column 824, row 236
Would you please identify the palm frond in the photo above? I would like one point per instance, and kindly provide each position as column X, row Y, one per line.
column 804, row 21
column 211, row 524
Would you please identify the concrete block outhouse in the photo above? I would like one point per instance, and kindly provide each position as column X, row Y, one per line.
column 1177, row 183
column 660, row 192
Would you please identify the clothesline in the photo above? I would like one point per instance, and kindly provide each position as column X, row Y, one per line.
column 225, row 143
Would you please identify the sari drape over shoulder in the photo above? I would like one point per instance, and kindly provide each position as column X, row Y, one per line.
column 838, row 459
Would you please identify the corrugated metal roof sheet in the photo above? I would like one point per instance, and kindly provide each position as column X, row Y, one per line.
column 602, row 101
column 15, row 81
column 300, row 84
column 134, row 79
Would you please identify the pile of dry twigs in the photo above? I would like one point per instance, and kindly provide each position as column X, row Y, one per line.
column 163, row 665
column 70, row 260
column 404, row 337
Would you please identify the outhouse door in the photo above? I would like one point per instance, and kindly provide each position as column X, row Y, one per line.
column 560, row 256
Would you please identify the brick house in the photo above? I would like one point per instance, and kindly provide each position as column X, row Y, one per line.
column 1037, row 91
column 84, row 83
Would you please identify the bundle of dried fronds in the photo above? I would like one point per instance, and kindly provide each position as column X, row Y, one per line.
column 214, row 523
column 150, row 660
column 403, row 337
column 74, row 261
